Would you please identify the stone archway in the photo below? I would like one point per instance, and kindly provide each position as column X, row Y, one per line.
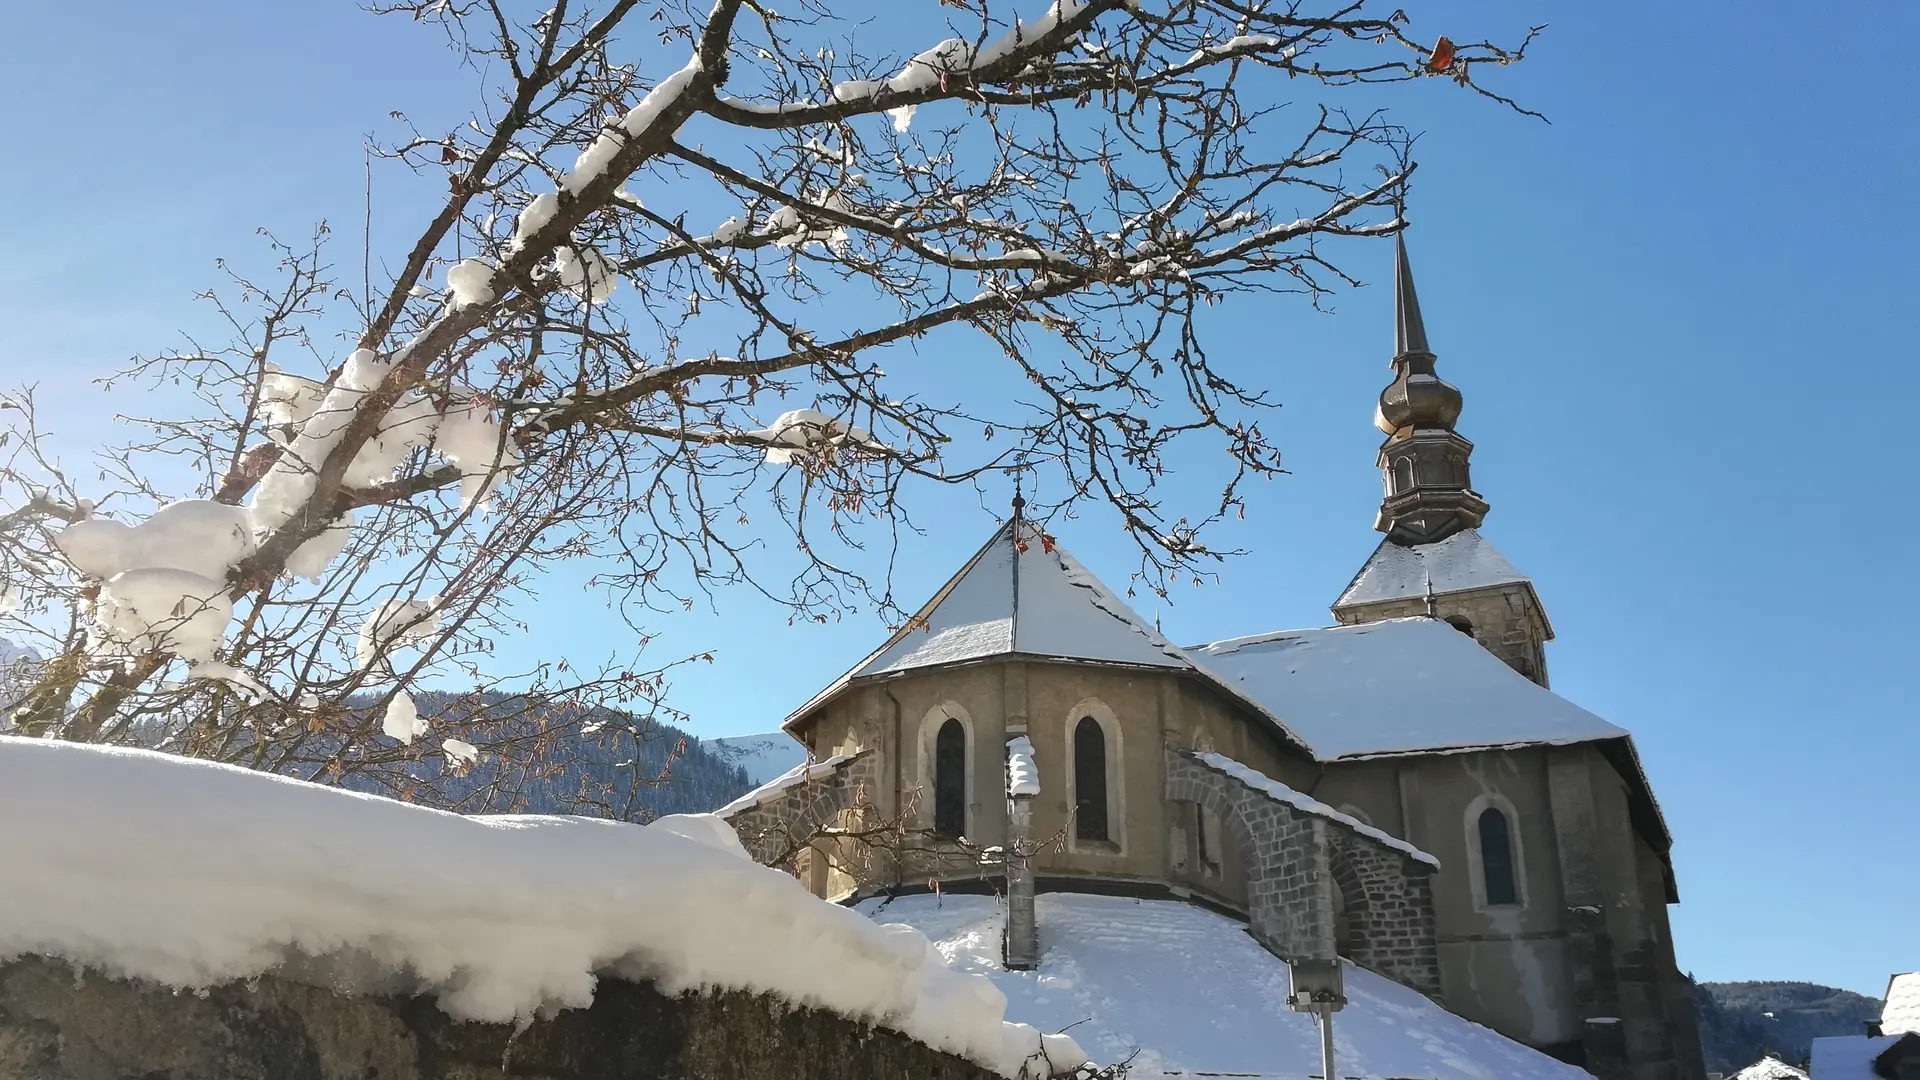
column 1319, row 884
column 1289, row 890
column 778, row 822
column 1350, row 902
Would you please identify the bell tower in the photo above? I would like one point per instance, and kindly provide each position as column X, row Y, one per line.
column 1434, row 562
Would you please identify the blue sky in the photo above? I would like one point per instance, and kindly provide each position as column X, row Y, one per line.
column 1676, row 314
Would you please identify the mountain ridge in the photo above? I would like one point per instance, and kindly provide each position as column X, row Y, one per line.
column 1742, row 1021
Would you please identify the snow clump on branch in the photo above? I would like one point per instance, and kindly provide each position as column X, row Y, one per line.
column 471, row 282
column 403, row 720
column 396, row 622
column 585, row 273
column 164, row 581
column 795, row 434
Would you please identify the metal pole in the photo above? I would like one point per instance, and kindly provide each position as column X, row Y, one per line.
column 1326, row 1046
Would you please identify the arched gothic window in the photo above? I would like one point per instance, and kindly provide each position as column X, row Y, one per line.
column 950, row 779
column 1402, row 475
column 1460, row 623
column 1496, row 857
column 1089, row 780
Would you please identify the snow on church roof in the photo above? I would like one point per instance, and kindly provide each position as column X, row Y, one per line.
column 1396, row 686
column 1465, row 560
column 1038, row 602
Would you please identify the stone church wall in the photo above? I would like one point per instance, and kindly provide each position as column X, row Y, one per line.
column 59, row 1024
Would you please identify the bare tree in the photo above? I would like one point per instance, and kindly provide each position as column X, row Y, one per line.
column 582, row 354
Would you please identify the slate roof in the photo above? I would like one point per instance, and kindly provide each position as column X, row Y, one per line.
column 1030, row 597
column 1466, row 560
column 1040, row 602
column 1396, row 686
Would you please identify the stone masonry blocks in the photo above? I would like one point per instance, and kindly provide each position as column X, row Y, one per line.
column 1295, row 861
column 774, row 831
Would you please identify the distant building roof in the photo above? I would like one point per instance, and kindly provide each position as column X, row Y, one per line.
column 1901, row 1013
column 1396, row 686
column 1849, row 1057
column 1769, row 1068
column 1466, row 560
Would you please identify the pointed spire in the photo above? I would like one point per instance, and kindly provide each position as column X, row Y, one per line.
column 1429, row 495
column 1409, row 330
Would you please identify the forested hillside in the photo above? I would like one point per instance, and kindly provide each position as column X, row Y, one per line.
column 1740, row 1021
column 618, row 766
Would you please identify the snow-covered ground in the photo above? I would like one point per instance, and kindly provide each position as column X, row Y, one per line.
column 191, row 874
column 1195, row 995
column 763, row 756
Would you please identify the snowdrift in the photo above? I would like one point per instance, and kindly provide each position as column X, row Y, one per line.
column 1193, row 995
column 192, row 874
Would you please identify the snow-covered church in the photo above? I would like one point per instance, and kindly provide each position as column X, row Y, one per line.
column 1401, row 789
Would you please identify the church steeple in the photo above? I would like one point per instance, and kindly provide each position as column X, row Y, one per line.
column 1424, row 462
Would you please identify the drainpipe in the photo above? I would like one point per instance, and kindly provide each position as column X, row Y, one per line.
column 896, row 737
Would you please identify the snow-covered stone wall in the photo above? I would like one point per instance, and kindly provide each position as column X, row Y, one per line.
column 59, row 1025
column 1318, row 884
column 775, row 820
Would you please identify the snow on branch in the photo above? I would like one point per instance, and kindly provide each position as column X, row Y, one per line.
column 1052, row 199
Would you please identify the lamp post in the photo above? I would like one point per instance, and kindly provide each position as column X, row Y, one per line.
column 1319, row 988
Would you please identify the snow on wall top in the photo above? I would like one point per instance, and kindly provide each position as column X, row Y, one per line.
column 1308, row 804
column 793, row 777
column 1350, row 691
column 237, row 871
column 1193, row 993
column 1901, row 1013
column 1465, row 560
column 1848, row 1057
column 1023, row 776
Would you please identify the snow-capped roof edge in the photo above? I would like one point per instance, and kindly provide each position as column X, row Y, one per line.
column 1190, row 665
column 1546, row 624
column 919, row 616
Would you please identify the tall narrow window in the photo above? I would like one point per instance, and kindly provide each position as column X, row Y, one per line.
column 950, row 779
column 1089, row 780
column 1496, row 857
